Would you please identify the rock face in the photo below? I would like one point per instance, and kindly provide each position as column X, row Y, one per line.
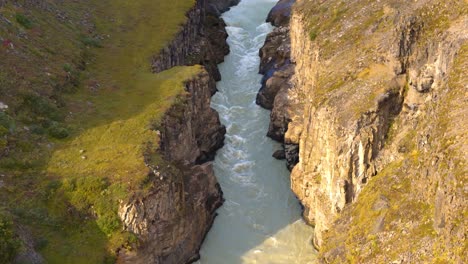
column 373, row 82
column 173, row 217
column 191, row 131
column 277, row 93
column 280, row 14
column 274, row 65
column 217, row 7
column 202, row 40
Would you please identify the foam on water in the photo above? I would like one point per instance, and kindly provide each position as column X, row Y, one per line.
column 260, row 222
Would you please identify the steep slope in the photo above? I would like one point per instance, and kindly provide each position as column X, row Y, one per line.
column 91, row 165
column 381, row 169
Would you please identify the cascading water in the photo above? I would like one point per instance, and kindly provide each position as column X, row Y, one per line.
column 260, row 222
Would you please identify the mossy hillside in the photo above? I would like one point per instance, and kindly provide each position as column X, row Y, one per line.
column 68, row 190
column 115, row 149
column 32, row 75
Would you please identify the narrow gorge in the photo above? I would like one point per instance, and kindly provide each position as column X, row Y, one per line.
column 233, row 131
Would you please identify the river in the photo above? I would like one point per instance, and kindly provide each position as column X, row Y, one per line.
column 260, row 221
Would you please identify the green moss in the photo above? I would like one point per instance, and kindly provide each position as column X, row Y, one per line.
column 91, row 42
column 313, row 34
column 58, row 131
column 42, row 108
column 23, row 21
column 9, row 244
column 7, row 123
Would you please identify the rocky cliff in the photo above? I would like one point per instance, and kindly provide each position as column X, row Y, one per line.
column 277, row 93
column 112, row 139
column 172, row 219
column 381, row 169
column 202, row 40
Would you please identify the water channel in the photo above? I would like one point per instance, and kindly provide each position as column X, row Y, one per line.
column 260, row 222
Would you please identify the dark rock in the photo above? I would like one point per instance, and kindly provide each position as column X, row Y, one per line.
column 275, row 65
column 275, row 53
column 279, row 80
column 192, row 132
column 281, row 12
column 217, row 7
column 292, row 155
column 202, row 41
column 279, row 154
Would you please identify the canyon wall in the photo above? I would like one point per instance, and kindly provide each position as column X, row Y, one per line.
column 373, row 107
column 172, row 220
column 202, row 40
column 98, row 94
column 372, row 79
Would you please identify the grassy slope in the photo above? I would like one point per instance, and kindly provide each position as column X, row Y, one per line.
column 94, row 85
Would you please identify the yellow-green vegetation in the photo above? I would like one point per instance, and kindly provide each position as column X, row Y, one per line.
column 354, row 27
column 82, row 107
column 451, row 122
column 390, row 187
column 9, row 244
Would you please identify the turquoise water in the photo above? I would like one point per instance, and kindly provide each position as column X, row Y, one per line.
column 260, row 222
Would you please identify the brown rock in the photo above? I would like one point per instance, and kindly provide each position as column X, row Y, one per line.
column 279, row 80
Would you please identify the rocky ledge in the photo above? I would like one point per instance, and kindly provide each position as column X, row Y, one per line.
column 276, row 92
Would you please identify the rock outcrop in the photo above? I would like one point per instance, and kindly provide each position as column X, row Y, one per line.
column 373, row 80
column 202, row 40
column 173, row 217
column 280, row 13
column 276, row 93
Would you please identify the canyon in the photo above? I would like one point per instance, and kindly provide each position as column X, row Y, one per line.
column 119, row 148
